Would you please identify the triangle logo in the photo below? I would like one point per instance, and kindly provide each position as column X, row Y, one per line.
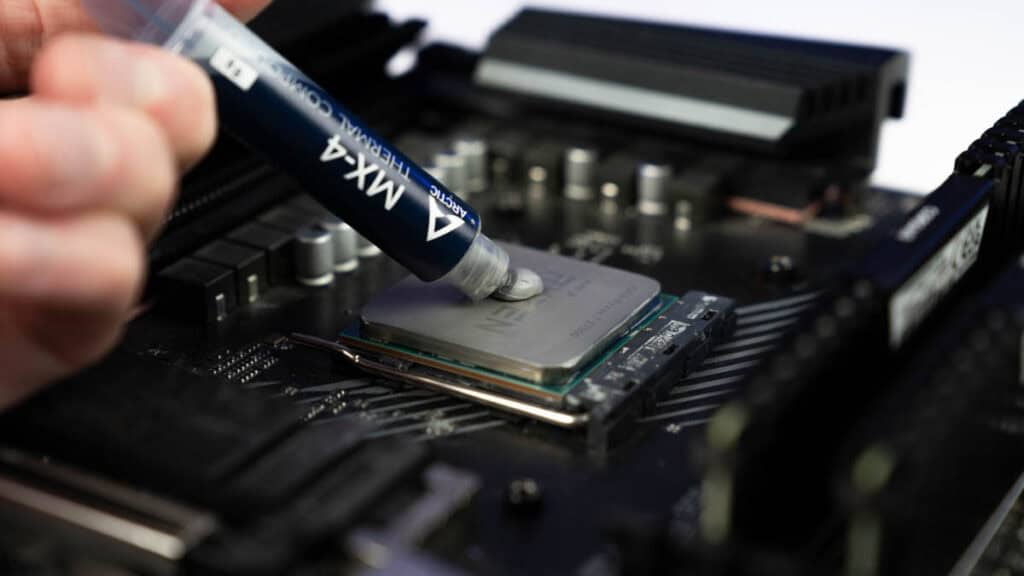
column 436, row 214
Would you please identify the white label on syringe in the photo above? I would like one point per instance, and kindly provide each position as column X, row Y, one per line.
column 234, row 69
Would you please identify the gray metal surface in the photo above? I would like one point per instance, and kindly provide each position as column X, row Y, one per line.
column 584, row 306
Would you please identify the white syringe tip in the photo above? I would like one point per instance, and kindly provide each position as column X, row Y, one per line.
column 151, row 21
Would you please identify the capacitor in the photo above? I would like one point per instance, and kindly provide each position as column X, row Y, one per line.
column 314, row 256
column 616, row 178
column 437, row 173
column 366, row 249
column 610, row 191
column 683, row 215
column 540, row 162
column 346, row 244
column 474, row 153
column 453, row 172
column 580, row 167
column 652, row 189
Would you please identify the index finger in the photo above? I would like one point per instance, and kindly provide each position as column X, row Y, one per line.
column 25, row 25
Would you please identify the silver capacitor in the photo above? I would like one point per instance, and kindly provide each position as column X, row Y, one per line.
column 346, row 244
column 436, row 172
column 652, row 189
column 366, row 249
column 314, row 256
column 452, row 171
column 580, row 173
column 474, row 152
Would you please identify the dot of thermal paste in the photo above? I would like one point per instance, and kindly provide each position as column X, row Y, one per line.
column 523, row 284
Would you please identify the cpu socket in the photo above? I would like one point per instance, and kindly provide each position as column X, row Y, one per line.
column 579, row 354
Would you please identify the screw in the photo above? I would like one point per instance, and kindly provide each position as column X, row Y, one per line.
column 781, row 270
column 524, row 495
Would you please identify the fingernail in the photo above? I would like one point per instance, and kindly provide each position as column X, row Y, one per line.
column 151, row 80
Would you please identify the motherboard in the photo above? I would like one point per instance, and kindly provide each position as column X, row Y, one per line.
column 747, row 361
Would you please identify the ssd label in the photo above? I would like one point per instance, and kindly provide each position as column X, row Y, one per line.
column 922, row 292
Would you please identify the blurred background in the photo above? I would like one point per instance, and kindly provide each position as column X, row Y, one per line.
column 965, row 68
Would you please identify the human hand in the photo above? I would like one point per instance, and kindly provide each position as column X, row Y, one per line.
column 89, row 163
